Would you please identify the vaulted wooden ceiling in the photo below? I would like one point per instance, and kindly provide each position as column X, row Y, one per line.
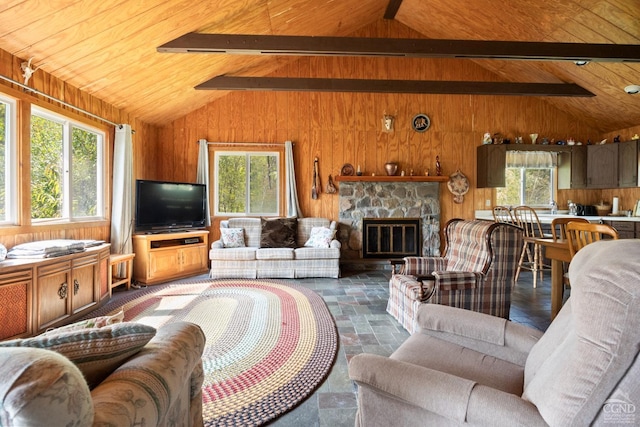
column 108, row 48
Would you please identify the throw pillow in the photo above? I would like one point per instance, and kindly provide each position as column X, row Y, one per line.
column 97, row 351
column 232, row 237
column 320, row 237
column 96, row 322
column 279, row 233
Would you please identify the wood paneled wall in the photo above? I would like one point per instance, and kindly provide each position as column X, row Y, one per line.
column 342, row 128
column 144, row 141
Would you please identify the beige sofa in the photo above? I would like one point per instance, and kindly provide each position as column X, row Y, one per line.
column 469, row 368
column 159, row 385
column 252, row 261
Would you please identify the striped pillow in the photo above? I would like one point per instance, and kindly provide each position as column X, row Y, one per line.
column 96, row 322
column 96, row 351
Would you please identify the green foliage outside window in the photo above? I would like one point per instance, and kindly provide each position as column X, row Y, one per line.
column 46, row 168
column 247, row 183
column 49, row 197
column 526, row 186
column 84, row 159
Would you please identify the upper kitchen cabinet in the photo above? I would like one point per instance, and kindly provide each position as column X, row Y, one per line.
column 572, row 168
column 628, row 164
column 602, row 166
column 491, row 163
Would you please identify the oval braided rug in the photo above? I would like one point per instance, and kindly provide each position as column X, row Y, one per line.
column 269, row 344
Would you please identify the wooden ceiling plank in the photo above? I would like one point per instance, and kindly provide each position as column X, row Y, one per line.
column 620, row 18
column 394, row 47
column 311, row 17
column 23, row 14
column 75, row 24
column 393, row 86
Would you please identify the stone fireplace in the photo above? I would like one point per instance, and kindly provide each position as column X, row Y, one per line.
column 364, row 197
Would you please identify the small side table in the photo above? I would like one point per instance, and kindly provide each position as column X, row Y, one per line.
column 114, row 261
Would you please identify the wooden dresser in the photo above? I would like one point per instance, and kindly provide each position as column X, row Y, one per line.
column 37, row 294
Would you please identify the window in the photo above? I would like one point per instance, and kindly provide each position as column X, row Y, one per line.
column 247, row 183
column 529, row 179
column 8, row 172
column 67, row 177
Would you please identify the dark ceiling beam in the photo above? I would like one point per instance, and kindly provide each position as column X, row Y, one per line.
column 393, row 86
column 412, row 48
column 392, row 9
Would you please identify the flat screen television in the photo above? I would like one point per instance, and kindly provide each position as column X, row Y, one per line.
column 163, row 206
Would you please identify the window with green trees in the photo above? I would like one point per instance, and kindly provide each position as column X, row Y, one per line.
column 526, row 186
column 247, row 183
column 67, row 177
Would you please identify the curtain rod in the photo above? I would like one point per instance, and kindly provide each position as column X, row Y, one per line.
column 248, row 144
column 66, row 104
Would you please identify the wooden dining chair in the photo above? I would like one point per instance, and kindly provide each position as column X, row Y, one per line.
column 559, row 226
column 559, row 232
column 502, row 214
column 527, row 218
column 580, row 234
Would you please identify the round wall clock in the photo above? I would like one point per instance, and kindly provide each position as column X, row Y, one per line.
column 420, row 122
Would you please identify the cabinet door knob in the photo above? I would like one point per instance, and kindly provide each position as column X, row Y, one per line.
column 63, row 290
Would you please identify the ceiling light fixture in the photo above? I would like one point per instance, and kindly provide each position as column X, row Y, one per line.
column 632, row 89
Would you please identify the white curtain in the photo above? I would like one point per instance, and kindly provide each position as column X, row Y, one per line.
column 122, row 204
column 202, row 174
column 532, row 159
column 293, row 206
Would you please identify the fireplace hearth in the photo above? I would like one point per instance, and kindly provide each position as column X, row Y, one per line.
column 390, row 238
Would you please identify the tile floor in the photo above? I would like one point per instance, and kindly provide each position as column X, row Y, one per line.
column 358, row 301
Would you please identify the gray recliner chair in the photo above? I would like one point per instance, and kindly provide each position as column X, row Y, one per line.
column 469, row 368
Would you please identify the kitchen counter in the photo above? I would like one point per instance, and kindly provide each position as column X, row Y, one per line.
column 546, row 218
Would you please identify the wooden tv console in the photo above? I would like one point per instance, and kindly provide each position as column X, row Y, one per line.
column 38, row 294
column 168, row 256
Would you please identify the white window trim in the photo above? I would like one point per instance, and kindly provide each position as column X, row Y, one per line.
column 69, row 124
column 11, row 170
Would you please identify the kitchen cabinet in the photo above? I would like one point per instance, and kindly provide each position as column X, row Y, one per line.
column 572, row 168
column 625, row 229
column 37, row 294
column 491, row 163
column 162, row 257
column 602, row 166
column 628, row 164
column 579, row 166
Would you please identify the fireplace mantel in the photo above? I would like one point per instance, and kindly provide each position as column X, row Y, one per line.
column 394, row 178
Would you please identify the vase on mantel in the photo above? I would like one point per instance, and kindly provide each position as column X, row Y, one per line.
column 391, row 168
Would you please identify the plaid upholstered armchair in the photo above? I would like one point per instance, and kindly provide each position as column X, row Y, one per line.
column 476, row 272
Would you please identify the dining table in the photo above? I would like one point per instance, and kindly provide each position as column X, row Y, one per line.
column 557, row 251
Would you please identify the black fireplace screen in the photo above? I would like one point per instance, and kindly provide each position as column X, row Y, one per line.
column 390, row 237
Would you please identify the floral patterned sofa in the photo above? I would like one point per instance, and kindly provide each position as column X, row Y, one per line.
column 151, row 378
column 276, row 248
